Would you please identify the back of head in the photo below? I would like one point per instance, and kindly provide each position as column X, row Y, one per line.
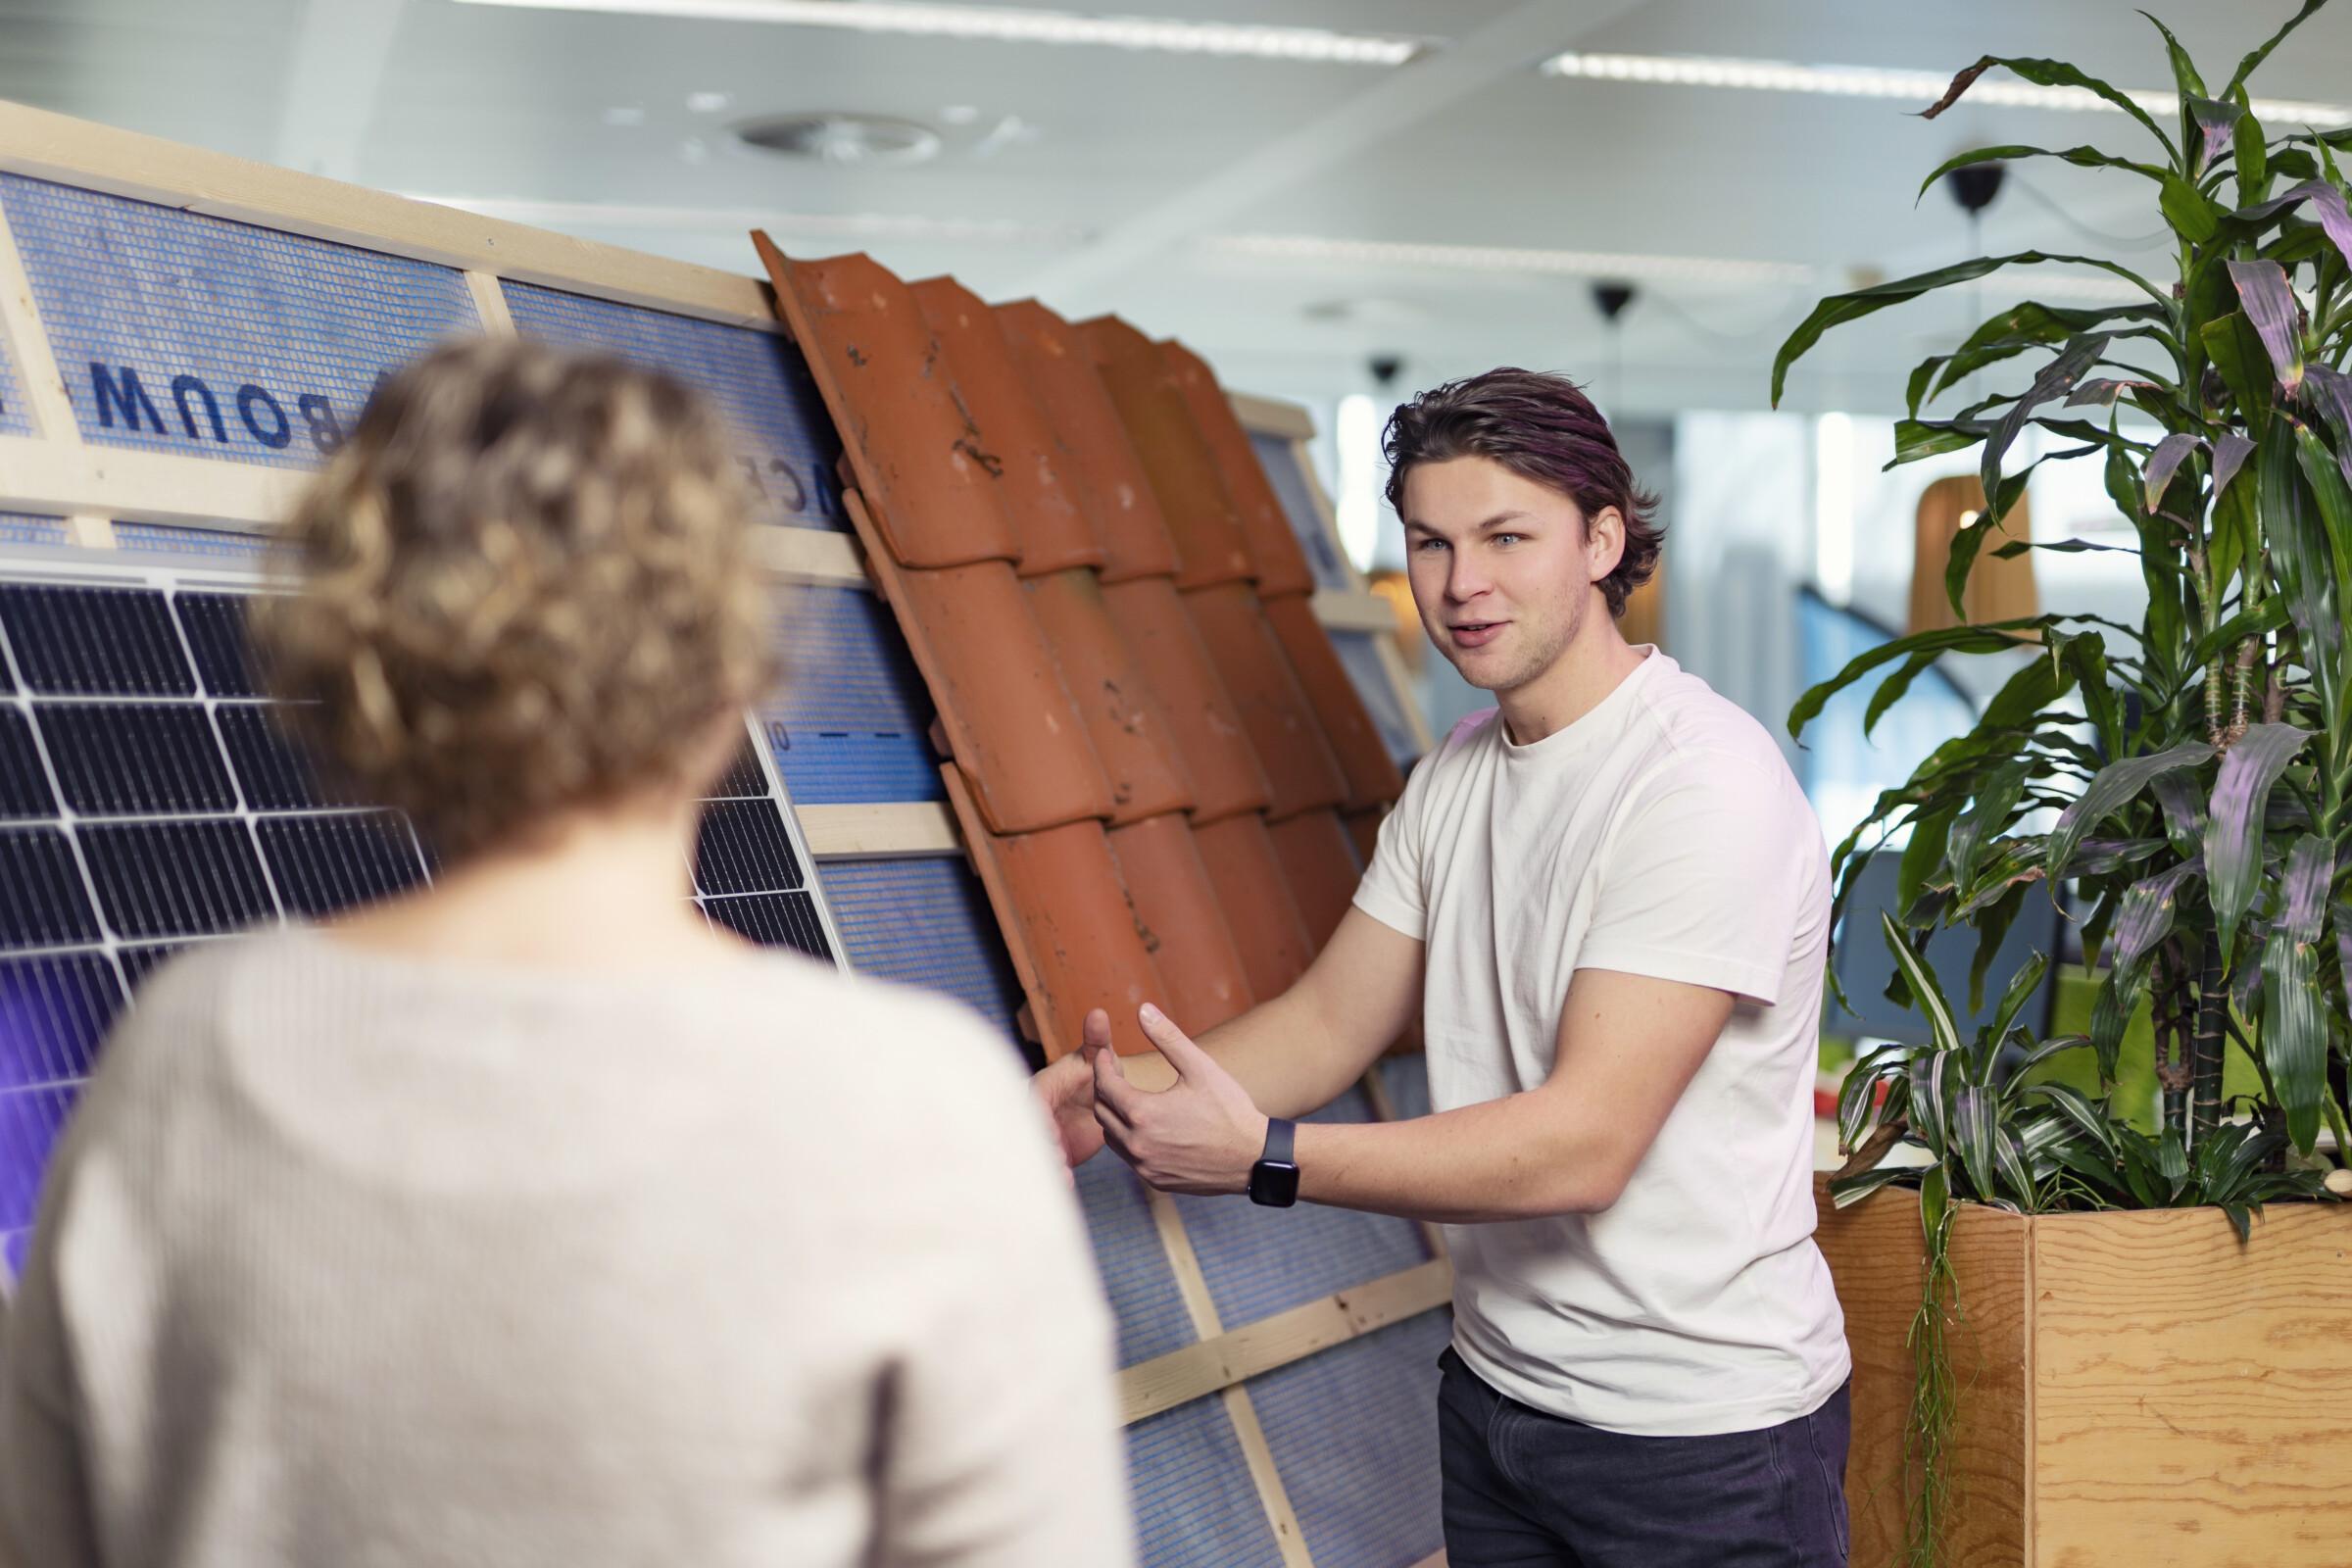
column 526, row 584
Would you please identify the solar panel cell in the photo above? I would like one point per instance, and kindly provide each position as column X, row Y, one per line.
column 23, row 786
column 31, row 1120
column 94, row 642
column 42, row 903
column 54, row 1010
column 170, row 879
column 215, row 629
column 744, row 780
column 139, row 963
column 324, row 863
column 744, row 848
column 773, row 920
column 274, row 774
column 135, row 758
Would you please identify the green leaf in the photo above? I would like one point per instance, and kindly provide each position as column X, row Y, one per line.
column 1992, row 924
column 2109, row 791
column 1915, row 439
column 2302, row 558
column 1974, row 1133
column 2253, row 167
column 2246, row 67
column 1997, row 637
column 2269, row 302
column 2326, row 477
column 2294, row 1032
column 2234, row 828
column 2186, row 208
column 2021, row 989
column 1926, row 996
column 1839, row 308
column 2184, row 71
column 2237, row 351
column 1934, row 1206
column 1852, row 1189
column 1995, row 798
column 2052, row 73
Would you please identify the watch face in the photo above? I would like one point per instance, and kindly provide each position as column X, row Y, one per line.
column 1274, row 1185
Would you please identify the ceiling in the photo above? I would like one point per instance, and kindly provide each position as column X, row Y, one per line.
column 1101, row 178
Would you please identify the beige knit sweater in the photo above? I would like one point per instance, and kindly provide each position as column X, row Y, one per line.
column 349, row 1261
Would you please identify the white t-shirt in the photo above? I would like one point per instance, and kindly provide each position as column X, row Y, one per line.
column 1661, row 834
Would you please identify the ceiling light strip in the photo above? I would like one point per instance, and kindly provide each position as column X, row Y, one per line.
column 842, row 225
column 1508, row 258
column 1869, row 81
column 1003, row 24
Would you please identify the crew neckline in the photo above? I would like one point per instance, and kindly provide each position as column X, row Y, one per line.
column 1596, row 724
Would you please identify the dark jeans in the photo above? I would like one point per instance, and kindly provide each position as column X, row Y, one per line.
column 1527, row 1490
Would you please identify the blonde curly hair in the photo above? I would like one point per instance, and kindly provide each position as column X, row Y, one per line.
column 526, row 583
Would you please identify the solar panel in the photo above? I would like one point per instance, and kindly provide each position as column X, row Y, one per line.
column 149, row 800
column 178, row 332
column 1260, row 1262
column 757, row 380
column 852, row 719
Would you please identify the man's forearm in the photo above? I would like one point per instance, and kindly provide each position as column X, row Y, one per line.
column 1504, row 1159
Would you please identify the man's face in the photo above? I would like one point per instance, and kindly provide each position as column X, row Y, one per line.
column 1503, row 567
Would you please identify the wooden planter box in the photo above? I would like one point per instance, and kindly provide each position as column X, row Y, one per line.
column 2136, row 1387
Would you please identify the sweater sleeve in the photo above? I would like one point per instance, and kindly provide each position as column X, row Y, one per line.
column 1004, row 1443
column 44, row 1493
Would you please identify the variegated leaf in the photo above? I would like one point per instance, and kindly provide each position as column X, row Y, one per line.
column 2230, row 454
column 2108, row 791
column 2270, row 304
column 1927, row 995
column 2235, row 823
column 2294, row 1033
column 2165, row 462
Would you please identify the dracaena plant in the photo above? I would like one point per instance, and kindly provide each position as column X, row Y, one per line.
column 2190, row 777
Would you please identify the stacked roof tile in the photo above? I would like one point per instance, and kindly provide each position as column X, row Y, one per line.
column 1164, row 774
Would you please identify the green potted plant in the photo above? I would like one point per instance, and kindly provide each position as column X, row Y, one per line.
column 2191, row 779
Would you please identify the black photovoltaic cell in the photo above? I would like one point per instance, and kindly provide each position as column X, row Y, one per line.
column 743, row 848
column 772, row 919
column 24, row 787
column 94, row 642
column 325, row 863
column 139, row 963
column 275, row 776
column 215, row 629
column 42, row 903
column 54, row 1010
column 135, row 758
column 174, row 879
column 744, row 780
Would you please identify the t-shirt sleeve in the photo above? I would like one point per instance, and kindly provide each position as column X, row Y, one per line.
column 1704, row 876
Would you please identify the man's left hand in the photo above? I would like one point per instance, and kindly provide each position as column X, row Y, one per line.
column 1199, row 1135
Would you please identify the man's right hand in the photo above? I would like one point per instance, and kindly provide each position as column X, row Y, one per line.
column 1066, row 1091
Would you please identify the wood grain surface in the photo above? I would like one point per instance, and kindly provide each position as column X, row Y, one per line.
column 2193, row 1396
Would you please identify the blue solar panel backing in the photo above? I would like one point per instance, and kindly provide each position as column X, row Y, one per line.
column 757, row 380
column 1260, row 1262
column 1353, row 1432
column 27, row 528
column 184, row 333
column 1134, row 1265
column 1407, row 1079
column 1280, row 459
column 1359, row 656
column 851, row 723
column 153, row 539
column 15, row 415
column 1195, row 1504
column 924, row 923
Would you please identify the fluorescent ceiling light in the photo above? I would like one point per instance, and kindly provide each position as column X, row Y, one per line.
column 1506, row 258
column 1923, row 87
column 1003, row 24
column 740, row 220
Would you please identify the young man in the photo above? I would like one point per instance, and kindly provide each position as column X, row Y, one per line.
column 1607, row 901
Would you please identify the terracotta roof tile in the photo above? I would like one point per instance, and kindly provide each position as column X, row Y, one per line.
column 1265, row 691
column 1363, row 757
column 1320, row 864
column 1282, row 567
column 1192, row 946
column 1259, row 907
column 1211, row 545
column 928, row 478
column 1130, row 729
column 1055, row 530
column 1060, row 369
column 1226, row 775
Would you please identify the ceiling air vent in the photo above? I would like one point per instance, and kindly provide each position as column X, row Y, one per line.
column 842, row 138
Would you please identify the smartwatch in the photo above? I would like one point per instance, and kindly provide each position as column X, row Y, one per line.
column 1274, row 1179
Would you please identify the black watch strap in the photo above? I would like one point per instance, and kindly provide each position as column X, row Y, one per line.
column 1274, row 1179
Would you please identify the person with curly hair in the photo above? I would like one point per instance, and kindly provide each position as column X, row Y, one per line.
column 1606, row 902
column 528, row 1218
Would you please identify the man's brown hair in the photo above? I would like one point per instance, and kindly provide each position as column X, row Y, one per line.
column 1543, row 428
column 526, row 583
